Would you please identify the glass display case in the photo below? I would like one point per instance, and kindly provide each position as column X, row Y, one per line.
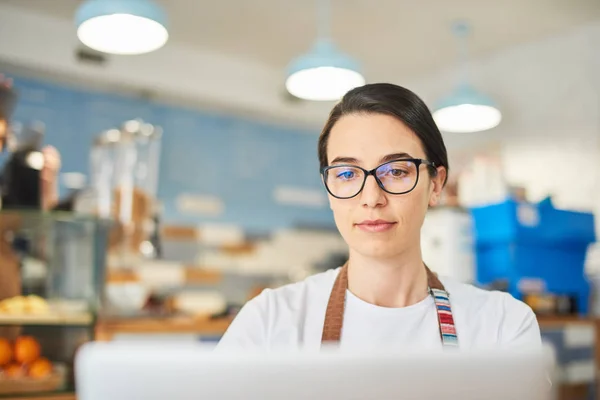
column 51, row 285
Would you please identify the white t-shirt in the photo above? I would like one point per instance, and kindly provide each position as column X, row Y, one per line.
column 291, row 317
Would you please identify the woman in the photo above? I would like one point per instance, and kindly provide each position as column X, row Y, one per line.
column 383, row 163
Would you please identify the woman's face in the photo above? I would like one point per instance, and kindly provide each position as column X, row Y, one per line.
column 368, row 140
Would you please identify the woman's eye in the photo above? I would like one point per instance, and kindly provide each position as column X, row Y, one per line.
column 346, row 175
column 397, row 173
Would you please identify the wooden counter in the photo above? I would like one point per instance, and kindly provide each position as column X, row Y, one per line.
column 47, row 397
column 106, row 329
column 574, row 391
column 559, row 320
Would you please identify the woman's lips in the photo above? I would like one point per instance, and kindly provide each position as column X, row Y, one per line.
column 376, row 225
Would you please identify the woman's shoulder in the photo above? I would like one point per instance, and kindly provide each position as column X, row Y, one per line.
column 506, row 320
column 277, row 315
column 467, row 295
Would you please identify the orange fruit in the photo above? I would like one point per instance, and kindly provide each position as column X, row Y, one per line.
column 40, row 368
column 27, row 349
column 14, row 371
column 5, row 352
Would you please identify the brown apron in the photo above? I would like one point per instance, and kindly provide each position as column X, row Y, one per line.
column 334, row 315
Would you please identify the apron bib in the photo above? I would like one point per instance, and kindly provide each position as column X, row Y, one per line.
column 334, row 316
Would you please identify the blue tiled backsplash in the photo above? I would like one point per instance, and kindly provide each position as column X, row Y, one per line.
column 240, row 163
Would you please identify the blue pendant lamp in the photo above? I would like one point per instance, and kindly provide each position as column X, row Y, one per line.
column 466, row 110
column 324, row 73
column 122, row 26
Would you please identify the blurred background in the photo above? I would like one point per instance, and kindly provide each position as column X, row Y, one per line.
column 159, row 162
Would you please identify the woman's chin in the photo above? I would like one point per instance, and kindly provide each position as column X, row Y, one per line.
column 378, row 249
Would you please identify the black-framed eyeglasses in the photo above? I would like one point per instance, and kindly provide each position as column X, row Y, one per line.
column 401, row 176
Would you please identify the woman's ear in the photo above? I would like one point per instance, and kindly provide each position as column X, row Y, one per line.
column 437, row 183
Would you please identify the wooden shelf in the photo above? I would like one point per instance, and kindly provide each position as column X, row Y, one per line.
column 178, row 232
column 202, row 276
column 74, row 319
column 107, row 328
column 189, row 275
column 557, row 320
column 64, row 396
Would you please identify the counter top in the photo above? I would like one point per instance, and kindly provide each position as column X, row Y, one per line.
column 47, row 397
column 107, row 328
column 553, row 320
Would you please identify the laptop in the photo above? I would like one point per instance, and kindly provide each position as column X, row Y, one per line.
column 160, row 371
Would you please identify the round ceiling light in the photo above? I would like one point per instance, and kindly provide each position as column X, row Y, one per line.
column 323, row 74
column 466, row 111
column 124, row 27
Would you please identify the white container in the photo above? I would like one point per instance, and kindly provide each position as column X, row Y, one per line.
column 447, row 243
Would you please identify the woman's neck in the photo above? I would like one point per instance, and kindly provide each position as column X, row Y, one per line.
column 392, row 282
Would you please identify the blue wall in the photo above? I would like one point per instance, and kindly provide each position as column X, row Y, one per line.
column 239, row 160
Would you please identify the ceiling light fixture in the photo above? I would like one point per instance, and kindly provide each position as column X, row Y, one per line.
column 324, row 73
column 466, row 110
column 124, row 27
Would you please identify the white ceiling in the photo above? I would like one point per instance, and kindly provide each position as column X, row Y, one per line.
column 393, row 39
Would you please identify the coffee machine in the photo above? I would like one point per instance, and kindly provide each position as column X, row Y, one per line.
column 21, row 176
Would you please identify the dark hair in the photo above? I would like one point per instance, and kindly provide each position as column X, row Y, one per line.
column 396, row 101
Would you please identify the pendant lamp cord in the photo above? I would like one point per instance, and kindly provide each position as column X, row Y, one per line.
column 461, row 30
column 324, row 18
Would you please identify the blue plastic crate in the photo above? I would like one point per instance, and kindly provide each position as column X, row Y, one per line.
column 532, row 223
column 560, row 270
column 558, row 265
column 518, row 242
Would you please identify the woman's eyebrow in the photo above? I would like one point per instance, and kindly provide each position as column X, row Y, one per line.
column 384, row 159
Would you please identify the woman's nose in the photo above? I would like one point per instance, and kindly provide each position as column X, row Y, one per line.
column 372, row 195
